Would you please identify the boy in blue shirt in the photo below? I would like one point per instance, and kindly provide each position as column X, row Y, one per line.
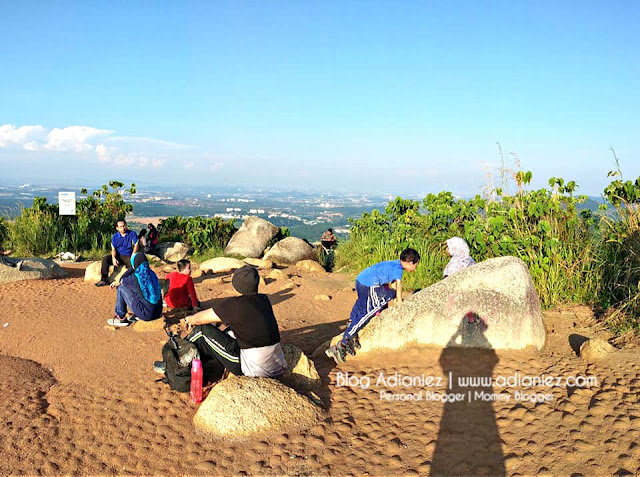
column 123, row 244
column 376, row 287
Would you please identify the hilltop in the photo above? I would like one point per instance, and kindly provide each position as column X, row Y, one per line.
column 81, row 397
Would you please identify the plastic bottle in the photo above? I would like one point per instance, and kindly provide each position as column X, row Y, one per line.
column 196, row 381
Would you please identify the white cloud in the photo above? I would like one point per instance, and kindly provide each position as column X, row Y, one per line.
column 128, row 152
column 189, row 165
column 26, row 137
column 150, row 142
column 216, row 166
column 111, row 155
column 73, row 138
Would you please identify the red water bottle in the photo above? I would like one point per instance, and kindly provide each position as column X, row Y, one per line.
column 196, row 381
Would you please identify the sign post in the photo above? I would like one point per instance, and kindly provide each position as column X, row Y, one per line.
column 66, row 203
column 67, row 206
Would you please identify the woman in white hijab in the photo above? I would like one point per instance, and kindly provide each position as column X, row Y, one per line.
column 460, row 258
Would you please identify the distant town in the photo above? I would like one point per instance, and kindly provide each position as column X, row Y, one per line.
column 307, row 215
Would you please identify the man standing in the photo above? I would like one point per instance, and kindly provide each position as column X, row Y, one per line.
column 124, row 243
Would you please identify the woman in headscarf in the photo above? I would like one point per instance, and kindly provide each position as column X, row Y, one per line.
column 459, row 252
column 140, row 290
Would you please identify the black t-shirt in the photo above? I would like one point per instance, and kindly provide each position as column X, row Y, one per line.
column 251, row 318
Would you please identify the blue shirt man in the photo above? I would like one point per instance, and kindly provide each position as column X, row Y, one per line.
column 124, row 243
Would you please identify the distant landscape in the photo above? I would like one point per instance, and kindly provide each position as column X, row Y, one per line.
column 306, row 214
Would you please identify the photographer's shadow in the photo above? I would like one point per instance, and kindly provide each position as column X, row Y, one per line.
column 468, row 442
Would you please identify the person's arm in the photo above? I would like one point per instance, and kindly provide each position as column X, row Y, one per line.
column 136, row 243
column 204, row 317
column 114, row 260
column 398, row 289
column 191, row 288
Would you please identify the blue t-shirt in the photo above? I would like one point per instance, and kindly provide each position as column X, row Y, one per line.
column 381, row 273
column 124, row 245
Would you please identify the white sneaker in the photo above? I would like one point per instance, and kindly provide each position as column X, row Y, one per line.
column 118, row 322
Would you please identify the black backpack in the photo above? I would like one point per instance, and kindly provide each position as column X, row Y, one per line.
column 177, row 354
column 177, row 375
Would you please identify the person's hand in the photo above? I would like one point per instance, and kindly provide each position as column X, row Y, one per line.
column 189, row 325
column 114, row 260
column 113, row 285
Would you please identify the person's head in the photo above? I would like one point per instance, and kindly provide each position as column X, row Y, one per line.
column 245, row 280
column 142, row 233
column 457, row 247
column 121, row 226
column 409, row 259
column 151, row 226
column 330, row 231
column 137, row 259
column 184, row 266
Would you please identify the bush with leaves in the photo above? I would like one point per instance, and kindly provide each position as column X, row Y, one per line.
column 201, row 233
column 619, row 254
column 541, row 227
column 40, row 230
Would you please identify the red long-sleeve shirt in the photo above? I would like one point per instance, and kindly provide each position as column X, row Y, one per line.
column 182, row 291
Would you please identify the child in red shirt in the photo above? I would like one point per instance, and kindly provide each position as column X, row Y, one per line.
column 182, row 292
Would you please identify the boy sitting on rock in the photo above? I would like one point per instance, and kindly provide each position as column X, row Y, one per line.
column 376, row 287
column 182, row 291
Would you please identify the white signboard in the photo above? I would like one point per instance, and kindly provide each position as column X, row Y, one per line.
column 67, row 203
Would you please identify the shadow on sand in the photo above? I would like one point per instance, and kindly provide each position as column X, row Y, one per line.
column 468, row 441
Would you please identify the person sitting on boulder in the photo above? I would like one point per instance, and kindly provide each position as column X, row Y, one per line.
column 152, row 238
column 182, row 291
column 250, row 346
column 458, row 250
column 124, row 244
column 376, row 287
column 144, row 241
column 329, row 240
column 140, row 291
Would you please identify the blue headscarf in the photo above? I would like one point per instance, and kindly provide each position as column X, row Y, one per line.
column 147, row 279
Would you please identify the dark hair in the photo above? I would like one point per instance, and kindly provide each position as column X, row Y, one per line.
column 142, row 233
column 151, row 226
column 330, row 230
column 410, row 255
column 121, row 220
column 182, row 264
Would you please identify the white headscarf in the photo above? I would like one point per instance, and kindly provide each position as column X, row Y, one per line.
column 459, row 251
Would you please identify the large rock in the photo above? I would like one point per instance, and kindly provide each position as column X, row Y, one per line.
column 16, row 269
column 595, row 349
column 173, row 251
column 309, row 266
column 289, row 251
column 276, row 274
column 258, row 263
column 251, row 238
column 490, row 305
column 301, row 374
column 221, row 264
column 92, row 272
column 240, row 407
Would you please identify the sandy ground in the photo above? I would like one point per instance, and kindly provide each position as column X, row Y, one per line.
column 77, row 396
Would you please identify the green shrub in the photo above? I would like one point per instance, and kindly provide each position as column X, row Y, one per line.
column 40, row 230
column 199, row 232
column 542, row 227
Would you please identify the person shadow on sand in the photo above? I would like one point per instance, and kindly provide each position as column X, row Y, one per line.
column 468, row 441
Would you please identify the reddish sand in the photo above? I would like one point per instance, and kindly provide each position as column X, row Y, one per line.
column 78, row 396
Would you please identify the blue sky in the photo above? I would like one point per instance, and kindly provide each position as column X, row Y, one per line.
column 369, row 96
